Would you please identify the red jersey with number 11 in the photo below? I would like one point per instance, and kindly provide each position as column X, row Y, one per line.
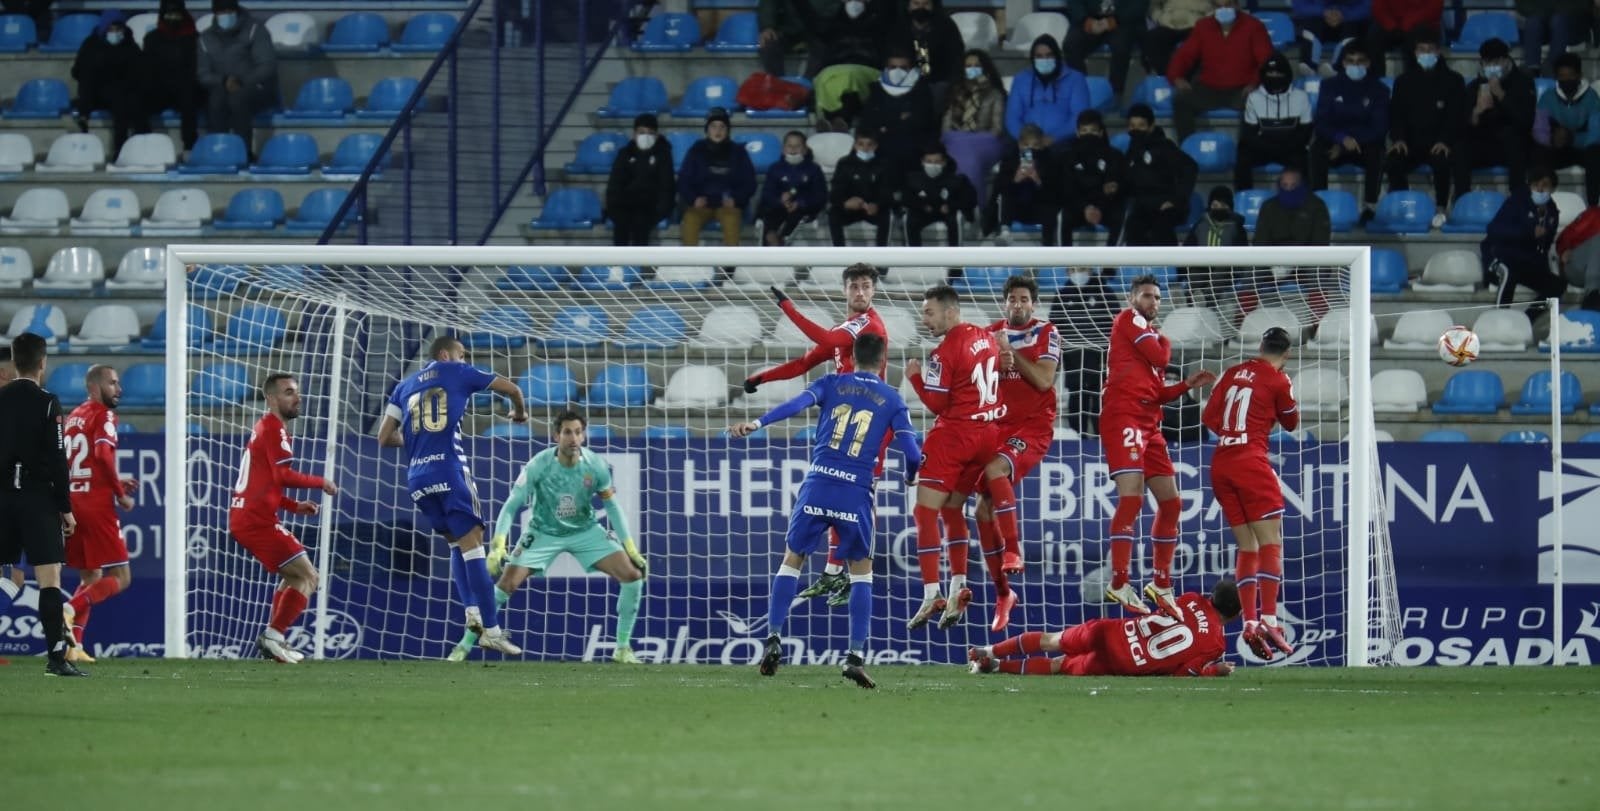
column 1247, row 400
column 961, row 380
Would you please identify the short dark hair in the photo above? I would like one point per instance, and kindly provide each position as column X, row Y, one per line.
column 568, row 416
column 868, row 351
column 443, row 343
column 944, row 294
column 866, row 133
column 862, row 270
column 27, row 353
column 1225, row 597
column 1275, row 341
column 269, row 387
column 1091, row 118
column 1354, row 46
column 1142, row 110
column 1143, row 279
column 1541, row 172
column 96, row 374
column 1020, row 281
column 1568, row 59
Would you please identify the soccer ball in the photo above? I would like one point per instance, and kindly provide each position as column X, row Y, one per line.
column 1458, row 346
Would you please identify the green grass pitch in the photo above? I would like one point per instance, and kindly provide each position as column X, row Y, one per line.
column 155, row 734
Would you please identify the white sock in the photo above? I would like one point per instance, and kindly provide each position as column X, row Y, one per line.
column 833, row 568
column 273, row 634
column 930, row 591
column 957, row 582
column 1269, row 620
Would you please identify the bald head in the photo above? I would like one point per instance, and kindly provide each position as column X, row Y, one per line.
column 103, row 385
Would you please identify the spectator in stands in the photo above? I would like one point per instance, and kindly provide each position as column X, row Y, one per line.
column 848, row 68
column 1084, row 308
column 37, row 10
column 107, row 70
column 1557, row 23
column 1294, row 216
column 1028, row 184
column 1117, row 23
column 1396, row 24
column 170, row 67
column 1579, row 252
column 1158, row 179
column 926, row 31
column 795, row 191
column 1567, row 125
column 1277, row 123
column 974, row 124
column 1351, row 122
column 788, row 26
column 1091, row 181
column 1322, row 26
column 1049, row 93
column 1516, row 246
column 1425, row 117
column 716, row 180
column 1220, row 227
column 861, row 191
column 1499, row 119
column 899, row 113
column 1170, row 24
column 640, row 190
column 1225, row 54
column 936, row 193
column 238, row 69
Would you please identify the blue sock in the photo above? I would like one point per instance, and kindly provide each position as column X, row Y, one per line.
column 784, row 584
column 477, row 571
column 458, row 576
column 860, row 611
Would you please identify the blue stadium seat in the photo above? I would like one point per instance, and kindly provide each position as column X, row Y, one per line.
column 658, row 432
column 986, row 281
column 1483, row 26
column 669, row 33
column 1343, row 210
column 504, row 327
column 1445, row 435
column 596, row 153
column 1525, row 438
column 548, row 384
column 619, row 385
column 1585, row 341
column 252, row 209
column 1213, row 151
column 781, row 113
column 1535, row 398
column 509, row 430
column 1593, row 437
column 317, row 211
column 209, row 281
column 569, row 208
column 287, row 153
column 1472, row 212
column 388, row 98
column 577, row 327
column 324, row 98
column 1404, row 212
column 1280, row 27
column 1156, row 92
column 1472, row 391
column 199, row 329
column 69, row 32
column 144, row 385
column 1101, row 96
column 764, row 149
column 220, row 383
column 425, row 33
column 597, row 435
column 1542, row 85
column 17, row 34
column 805, row 435
column 1389, row 272
column 680, row 143
column 1313, row 87
column 1050, row 279
column 250, row 329
column 608, row 277
column 739, row 33
column 635, row 95
column 220, row 153
column 656, row 327
column 353, row 154
column 360, row 32
column 704, row 93
column 40, row 98
column 1248, row 204
column 1125, row 275
column 1120, row 141
column 535, row 277
column 66, row 383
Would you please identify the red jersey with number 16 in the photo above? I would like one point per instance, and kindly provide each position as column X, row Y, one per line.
column 1026, row 405
column 1247, row 400
column 1136, row 367
column 264, row 474
column 961, row 380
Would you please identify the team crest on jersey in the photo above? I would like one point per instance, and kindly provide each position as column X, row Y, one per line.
column 855, row 325
column 1017, row 444
column 588, row 481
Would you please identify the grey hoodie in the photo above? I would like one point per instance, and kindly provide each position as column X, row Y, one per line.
column 245, row 52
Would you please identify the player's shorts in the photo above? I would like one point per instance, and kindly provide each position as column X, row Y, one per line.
column 955, row 454
column 588, row 547
column 1083, row 646
column 275, row 546
column 824, row 505
column 1247, row 489
column 450, row 506
column 1025, row 450
column 97, row 543
column 31, row 527
column 1134, row 445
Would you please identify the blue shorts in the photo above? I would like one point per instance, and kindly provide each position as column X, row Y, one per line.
column 845, row 508
column 449, row 504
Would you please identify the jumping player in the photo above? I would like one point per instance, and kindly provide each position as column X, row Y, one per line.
column 97, row 549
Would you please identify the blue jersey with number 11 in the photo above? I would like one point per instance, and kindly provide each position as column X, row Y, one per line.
column 429, row 406
column 858, row 410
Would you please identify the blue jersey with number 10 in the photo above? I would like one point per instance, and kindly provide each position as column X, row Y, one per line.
column 429, row 406
column 858, row 410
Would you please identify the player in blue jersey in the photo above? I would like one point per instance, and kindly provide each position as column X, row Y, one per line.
column 424, row 416
column 858, row 409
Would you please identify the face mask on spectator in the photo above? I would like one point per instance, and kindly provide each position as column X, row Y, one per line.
column 645, row 140
column 1044, row 66
column 1355, row 72
column 854, row 8
column 865, row 155
column 794, row 158
column 1226, row 16
column 899, row 81
column 1078, row 277
column 974, row 72
column 227, row 21
column 1427, row 60
column 1276, row 83
column 114, row 37
column 1292, row 198
column 936, row 169
column 1541, row 197
column 1571, row 89
column 1089, row 133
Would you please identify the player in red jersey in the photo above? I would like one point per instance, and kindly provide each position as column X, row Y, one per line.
column 836, row 344
column 961, row 386
column 1136, row 452
column 1151, row 645
column 1248, row 399
column 264, row 474
column 97, row 549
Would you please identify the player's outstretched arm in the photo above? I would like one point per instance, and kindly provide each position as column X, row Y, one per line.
column 1214, row 669
column 824, row 336
column 788, row 369
column 521, row 497
column 504, row 387
column 1204, row 377
column 781, row 412
column 619, row 525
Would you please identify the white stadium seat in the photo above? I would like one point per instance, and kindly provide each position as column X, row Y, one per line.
column 108, row 325
column 141, row 269
column 914, row 278
column 1503, row 331
column 902, row 326
column 178, row 212
column 1333, row 331
column 150, row 153
column 1568, row 206
column 977, row 30
column 773, row 392
column 141, row 24
column 731, row 326
column 293, row 31
column 763, row 276
column 1034, row 24
column 827, row 277
column 76, row 268
column 1320, row 389
column 695, row 387
column 1265, row 318
column 1419, row 330
column 828, row 147
column 1455, row 271
column 16, row 268
column 1399, row 391
column 108, row 212
column 787, row 335
column 74, row 152
column 37, row 211
column 44, row 320
column 700, row 275
column 16, row 152
column 1193, row 327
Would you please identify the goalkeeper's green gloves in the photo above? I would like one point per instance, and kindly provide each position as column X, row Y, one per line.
column 497, row 555
column 634, row 555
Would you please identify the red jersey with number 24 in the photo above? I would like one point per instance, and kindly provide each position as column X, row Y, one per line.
column 264, row 474
column 1247, row 400
column 1136, row 367
column 961, row 380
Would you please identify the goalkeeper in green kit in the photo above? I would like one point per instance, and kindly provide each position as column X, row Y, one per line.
column 560, row 485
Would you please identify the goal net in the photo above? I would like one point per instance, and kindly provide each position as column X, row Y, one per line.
column 651, row 345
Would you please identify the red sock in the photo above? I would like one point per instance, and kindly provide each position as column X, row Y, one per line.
column 1122, row 525
column 833, row 548
column 287, row 605
column 1245, row 575
column 956, row 536
column 1165, row 537
column 989, row 541
column 1270, row 577
column 928, row 542
column 1003, row 497
column 95, row 593
column 80, row 621
column 1031, row 666
column 1021, row 643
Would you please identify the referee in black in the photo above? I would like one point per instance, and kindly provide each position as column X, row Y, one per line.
column 35, row 512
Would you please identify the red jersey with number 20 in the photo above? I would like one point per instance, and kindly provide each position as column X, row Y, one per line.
column 1157, row 645
column 961, row 380
column 91, row 440
column 264, row 474
column 1136, row 367
column 1247, row 400
column 1027, row 406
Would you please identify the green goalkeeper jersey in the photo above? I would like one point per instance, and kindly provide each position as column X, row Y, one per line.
column 562, row 497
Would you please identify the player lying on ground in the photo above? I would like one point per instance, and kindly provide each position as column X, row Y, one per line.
column 858, row 412
column 97, row 549
column 1149, row 645
column 560, row 485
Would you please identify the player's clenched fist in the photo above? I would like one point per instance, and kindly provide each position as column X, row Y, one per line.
column 304, row 508
column 744, row 429
column 913, row 368
column 1204, row 377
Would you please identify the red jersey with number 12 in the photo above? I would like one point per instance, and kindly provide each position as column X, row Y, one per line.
column 1136, row 366
column 1026, row 405
column 1247, row 400
column 264, row 474
column 91, row 439
column 962, row 377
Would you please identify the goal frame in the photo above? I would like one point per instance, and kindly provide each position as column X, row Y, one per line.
column 1359, row 505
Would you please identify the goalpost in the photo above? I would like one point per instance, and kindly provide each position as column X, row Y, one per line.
column 651, row 345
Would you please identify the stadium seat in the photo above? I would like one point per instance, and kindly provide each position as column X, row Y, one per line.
column 17, row 33
column 353, row 154
column 695, row 387
column 16, row 152
column 657, row 432
column 37, row 211
column 1389, row 272
column 785, row 335
column 907, row 277
column 635, row 95
column 1102, row 97
column 548, row 384
column 1525, row 437
column 596, row 153
column 1472, row 212
column 535, row 277
column 901, row 325
column 69, row 32
column 828, row 147
column 763, row 276
column 826, row 277
column 500, row 328
column 178, row 211
column 149, row 153
column 40, row 98
column 1568, row 206
column 360, row 32
column 44, row 320
column 66, row 382
column 293, row 31
column 764, row 149
column 1503, row 331
column 1471, row 391
column 211, row 281
column 508, row 430
column 704, row 93
column 577, row 327
column 977, row 30
column 1123, row 279
column 681, row 142
column 1482, row 26
column 729, row 326
column 287, row 153
column 252, row 209
column 1343, row 210
column 739, row 33
column 609, row 277
column 1214, row 152
column 1398, row 391
column 1192, row 328
column 144, row 385
column 1542, row 85
column 1333, row 330
column 251, row 328
column 773, row 392
column 1404, row 212
column 1156, row 92
column 75, row 269
column 141, row 269
column 140, row 25
column 388, row 99
column 425, row 33
column 219, row 153
column 199, row 329
column 984, row 281
column 654, row 327
column 1451, row 271
column 1590, row 438
column 1265, row 318
column 1032, row 25
column 1580, row 332
column 1320, row 389
column 682, row 277
column 317, row 210
column 107, row 212
column 1445, row 435
column 1280, row 28
column 619, row 385
column 569, row 208
column 669, row 33
column 1535, row 398
column 1249, row 205
column 909, row 394
column 16, row 268
column 1419, row 330
column 220, row 383
column 325, row 98
column 74, row 152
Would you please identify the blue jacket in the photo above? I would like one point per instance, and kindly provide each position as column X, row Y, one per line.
column 804, row 179
column 1509, row 236
column 1579, row 114
column 1357, row 109
column 1054, row 104
column 1354, row 10
column 716, row 176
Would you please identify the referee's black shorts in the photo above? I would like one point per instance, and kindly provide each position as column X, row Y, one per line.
column 30, row 526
